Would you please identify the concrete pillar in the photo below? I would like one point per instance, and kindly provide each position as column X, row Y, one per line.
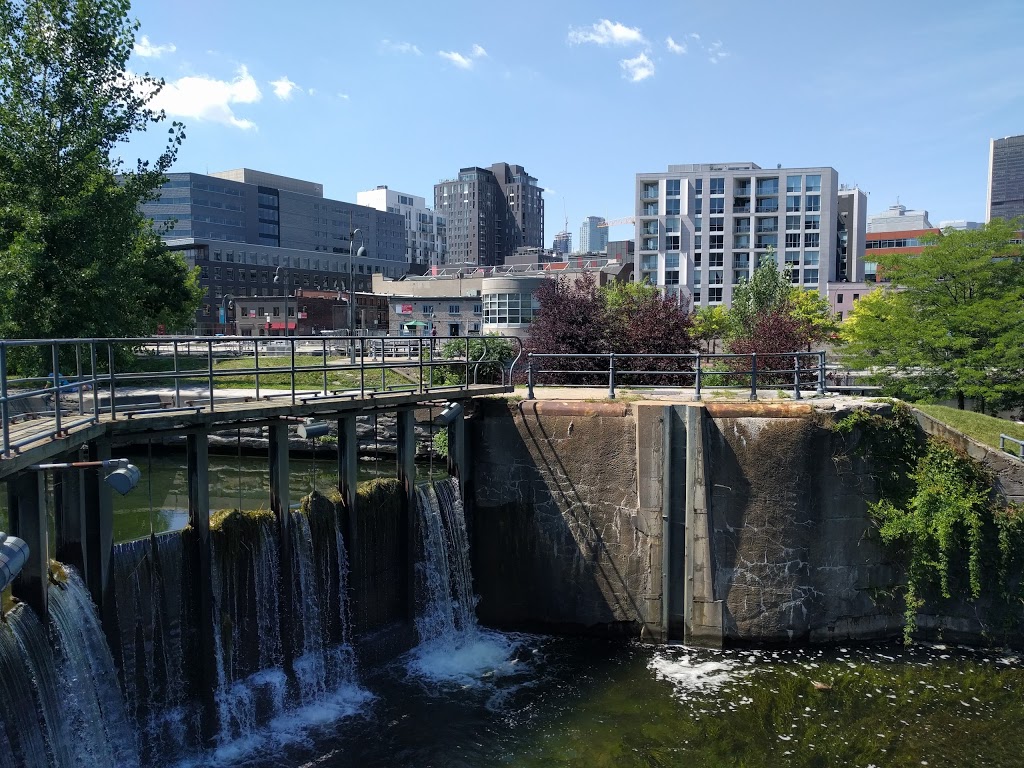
column 457, row 454
column 280, row 505
column 406, row 454
column 704, row 613
column 197, row 450
column 69, row 519
column 27, row 511
column 99, row 535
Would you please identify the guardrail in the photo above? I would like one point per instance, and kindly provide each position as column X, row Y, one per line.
column 807, row 371
column 90, row 366
column 1004, row 439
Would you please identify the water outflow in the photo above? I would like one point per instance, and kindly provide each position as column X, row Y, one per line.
column 60, row 698
column 453, row 648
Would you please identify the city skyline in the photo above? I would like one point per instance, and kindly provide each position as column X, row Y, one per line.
column 334, row 101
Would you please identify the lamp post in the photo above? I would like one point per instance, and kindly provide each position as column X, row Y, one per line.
column 224, row 307
column 277, row 279
column 361, row 253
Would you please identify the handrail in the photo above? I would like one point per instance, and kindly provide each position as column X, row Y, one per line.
column 803, row 376
column 1003, row 439
column 206, row 352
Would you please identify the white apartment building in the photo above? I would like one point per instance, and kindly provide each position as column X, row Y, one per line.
column 426, row 234
column 702, row 229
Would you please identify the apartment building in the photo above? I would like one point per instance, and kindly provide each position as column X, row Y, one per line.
column 490, row 212
column 702, row 229
column 1005, row 178
column 593, row 235
column 425, row 232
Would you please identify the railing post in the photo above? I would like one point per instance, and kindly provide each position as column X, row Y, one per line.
column 529, row 376
column 57, row 393
column 821, row 373
column 113, row 385
column 611, row 375
column 209, row 370
column 78, row 378
column 177, row 379
column 796, row 377
column 95, row 382
column 256, row 363
column 324, row 354
column 419, row 358
column 696, row 380
column 292, row 342
column 5, row 411
column 753, row 375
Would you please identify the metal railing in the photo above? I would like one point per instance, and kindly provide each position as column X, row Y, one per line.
column 83, row 372
column 807, row 370
column 1004, row 439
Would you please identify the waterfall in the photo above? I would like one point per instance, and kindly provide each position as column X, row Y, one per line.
column 62, row 703
column 453, row 648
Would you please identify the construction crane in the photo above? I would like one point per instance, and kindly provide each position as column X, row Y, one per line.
column 616, row 222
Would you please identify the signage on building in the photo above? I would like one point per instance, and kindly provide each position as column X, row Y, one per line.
column 252, row 313
column 403, row 309
column 302, row 315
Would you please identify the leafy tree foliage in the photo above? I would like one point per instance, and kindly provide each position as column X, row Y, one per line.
column 488, row 355
column 76, row 256
column 710, row 324
column 953, row 325
column 577, row 317
column 766, row 292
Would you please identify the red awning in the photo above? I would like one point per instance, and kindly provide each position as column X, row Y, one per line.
column 280, row 326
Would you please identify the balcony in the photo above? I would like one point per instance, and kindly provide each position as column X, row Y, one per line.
column 766, row 206
column 650, row 210
column 742, row 229
column 649, row 194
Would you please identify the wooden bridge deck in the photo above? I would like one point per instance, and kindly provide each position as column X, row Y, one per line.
column 36, row 443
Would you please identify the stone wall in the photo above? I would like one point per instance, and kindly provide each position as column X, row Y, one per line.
column 559, row 538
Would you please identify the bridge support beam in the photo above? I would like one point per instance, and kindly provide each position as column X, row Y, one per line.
column 457, row 453
column 406, row 454
column 197, row 449
column 280, row 505
column 27, row 510
column 69, row 519
column 348, row 480
column 99, row 541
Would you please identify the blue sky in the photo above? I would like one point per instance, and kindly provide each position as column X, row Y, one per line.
column 900, row 97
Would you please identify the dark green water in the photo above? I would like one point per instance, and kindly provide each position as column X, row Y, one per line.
column 572, row 702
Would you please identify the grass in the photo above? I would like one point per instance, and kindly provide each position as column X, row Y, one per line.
column 984, row 429
column 336, row 379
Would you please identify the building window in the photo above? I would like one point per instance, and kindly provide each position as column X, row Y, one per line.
column 716, row 277
column 792, row 223
column 811, row 239
column 672, row 261
column 717, row 186
column 697, row 242
column 696, row 297
column 792, row 203
column 717, row 205
column 813, row 202
column 716, row 242
column 698, row 186
column 839, row 316
column 792, row 239
column 813, row 222
column 428, row 309
column 714, row 295
column 672, row 187
column 672, row 225
column 649, row 262
column 792, row 258
column 811, row 258
column 715, row 259
column 810, row 276
column 814, row 183
column 478, row 309
column 856, row 296
column 672, row 243
column 672, row 207
column 768, row 186
column 696, row 223
column 839, row 299
column 698, row 205
column 454, row 309
column 649, row 244
column 716, row 224
column 672, row 277
column 793, row 183
column 766, row 241
column 741, row 241
column 696, row 277
column 649, row 190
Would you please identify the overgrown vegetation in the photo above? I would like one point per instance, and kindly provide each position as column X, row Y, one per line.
column 936, row 508
column 984, row 429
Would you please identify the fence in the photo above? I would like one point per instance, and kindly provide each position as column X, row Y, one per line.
column 81, row 366
column 807, row 371
column 1004, row 439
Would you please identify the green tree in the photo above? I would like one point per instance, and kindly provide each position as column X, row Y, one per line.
column 76, row 256
column 487, row 354
column 814, row 314
column 710, row 324
column 768, row 291
column 953, row 325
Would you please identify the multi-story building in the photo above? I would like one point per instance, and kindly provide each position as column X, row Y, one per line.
column 562, row 244
column 1005, row 178
column 620, row 250
column 703, row 229
column 897, row 230
column 490, row 212
column 425, row 233
column 243, row 228
column 594, row 235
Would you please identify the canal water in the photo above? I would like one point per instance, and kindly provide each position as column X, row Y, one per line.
column 584, row 702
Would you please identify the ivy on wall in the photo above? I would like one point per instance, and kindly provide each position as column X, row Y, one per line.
column 936, row 508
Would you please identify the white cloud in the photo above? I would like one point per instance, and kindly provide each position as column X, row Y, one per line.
column 284, row 88
column 343, row 96
column 716, row 53
column 638, row 68
column 400, row 47
column 146, row 49
column 694, row 36
column 205, row 98
column 311, row 91
column 675, row 47
column 462, row 61
column 606, row 32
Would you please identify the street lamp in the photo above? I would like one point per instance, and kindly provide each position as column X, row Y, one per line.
column 278, row 279
column 361, row 253
column 224, row 306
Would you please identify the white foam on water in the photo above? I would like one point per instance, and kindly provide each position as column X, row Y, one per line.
column 689, row 675
column 469, row 659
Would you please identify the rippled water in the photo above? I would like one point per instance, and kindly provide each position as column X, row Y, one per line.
column 573, row 702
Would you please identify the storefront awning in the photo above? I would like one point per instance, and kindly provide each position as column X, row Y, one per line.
column 415, row 324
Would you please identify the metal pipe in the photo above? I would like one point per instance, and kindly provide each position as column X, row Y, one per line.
column 753, row 375
column 113, row 384
column 209, row 366
column 611, row 375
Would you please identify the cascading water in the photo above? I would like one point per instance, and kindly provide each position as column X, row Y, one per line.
column 453, row 647
column 59, row 687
